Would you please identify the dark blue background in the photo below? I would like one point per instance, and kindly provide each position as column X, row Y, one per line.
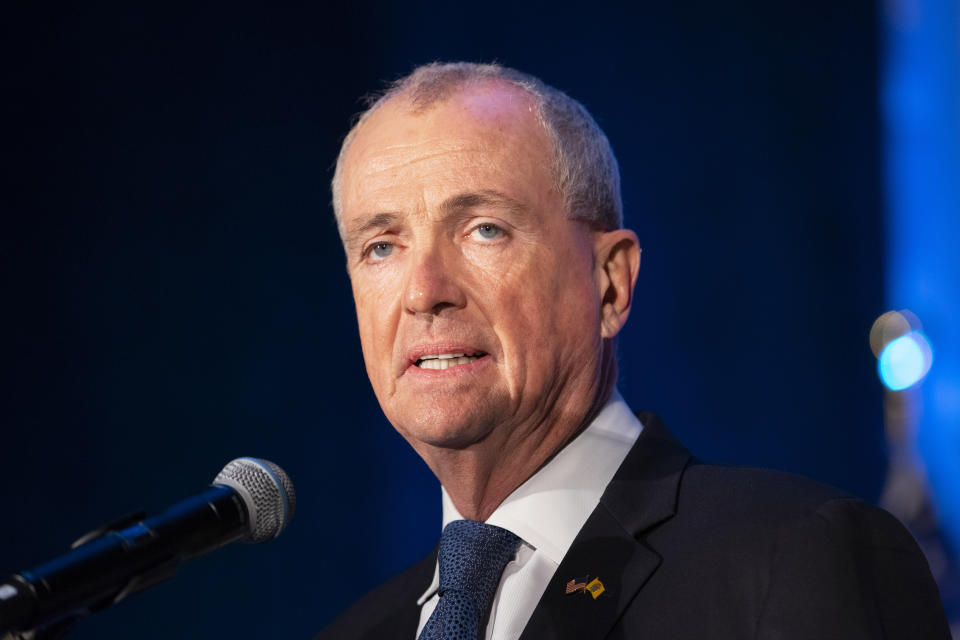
column 174, row 293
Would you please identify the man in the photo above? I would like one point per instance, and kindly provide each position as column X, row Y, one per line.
column 481, row 216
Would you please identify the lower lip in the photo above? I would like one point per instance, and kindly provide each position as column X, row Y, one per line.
column 471, row 368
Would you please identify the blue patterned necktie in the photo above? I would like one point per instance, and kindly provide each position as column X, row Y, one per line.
column 472, row 558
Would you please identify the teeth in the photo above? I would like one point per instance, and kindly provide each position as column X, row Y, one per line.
column 445, row 361
column 443, row 356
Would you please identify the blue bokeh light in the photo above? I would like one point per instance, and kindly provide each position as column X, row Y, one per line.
column 921, row 103
column 905, row 361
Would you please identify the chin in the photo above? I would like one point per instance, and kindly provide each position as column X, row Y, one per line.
column 445, row 431
column 455, row 421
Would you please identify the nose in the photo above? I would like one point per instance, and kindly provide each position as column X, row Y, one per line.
column 432, row 284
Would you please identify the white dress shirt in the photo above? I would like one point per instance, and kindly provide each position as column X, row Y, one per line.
column 546, row 512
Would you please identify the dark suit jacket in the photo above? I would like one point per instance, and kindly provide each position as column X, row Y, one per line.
column 690, row 550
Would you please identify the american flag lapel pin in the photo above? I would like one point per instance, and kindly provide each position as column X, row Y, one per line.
column 577, row 585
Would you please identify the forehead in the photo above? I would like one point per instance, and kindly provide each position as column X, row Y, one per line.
column 489, row 132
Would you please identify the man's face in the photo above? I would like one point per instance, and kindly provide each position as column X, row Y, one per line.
column 476, row 297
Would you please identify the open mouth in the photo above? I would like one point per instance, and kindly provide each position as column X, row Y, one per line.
column 446, row 360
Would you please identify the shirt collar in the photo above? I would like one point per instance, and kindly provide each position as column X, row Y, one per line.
column 549, row 509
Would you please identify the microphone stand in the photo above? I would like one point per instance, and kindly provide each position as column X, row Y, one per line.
column 61, row 627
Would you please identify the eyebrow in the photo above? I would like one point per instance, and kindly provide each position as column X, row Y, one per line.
column 376, row 221
column 486, row 197
column 452, row 205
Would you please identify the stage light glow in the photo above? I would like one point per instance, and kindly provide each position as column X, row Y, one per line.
column 905, row 361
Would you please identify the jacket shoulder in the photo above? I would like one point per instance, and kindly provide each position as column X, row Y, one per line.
column 806, row 558
column 763, row 491
column 764, row 503
column 388, row 611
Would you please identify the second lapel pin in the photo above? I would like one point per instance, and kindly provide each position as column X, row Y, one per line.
column 595, row 588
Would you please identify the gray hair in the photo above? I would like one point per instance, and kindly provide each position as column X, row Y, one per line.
column 584, row 167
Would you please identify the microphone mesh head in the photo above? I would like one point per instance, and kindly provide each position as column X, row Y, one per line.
column 266, row 491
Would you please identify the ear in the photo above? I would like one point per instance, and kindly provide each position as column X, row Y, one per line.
column 617, row 255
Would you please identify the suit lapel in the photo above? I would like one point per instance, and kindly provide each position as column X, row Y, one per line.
column 399, row 614
column 642, row 494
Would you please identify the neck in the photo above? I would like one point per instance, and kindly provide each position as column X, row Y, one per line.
column 479, row 478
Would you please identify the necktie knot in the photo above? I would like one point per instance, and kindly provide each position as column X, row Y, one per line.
column 472, row 558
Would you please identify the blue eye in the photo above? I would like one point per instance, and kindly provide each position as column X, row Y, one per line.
column 488, row 231
column 381, row 250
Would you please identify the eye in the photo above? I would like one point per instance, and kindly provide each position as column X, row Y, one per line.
column 486, row 232
column 379, row 251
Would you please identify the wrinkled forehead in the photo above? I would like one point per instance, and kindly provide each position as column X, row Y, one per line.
column 491, row 128
column 485, row 112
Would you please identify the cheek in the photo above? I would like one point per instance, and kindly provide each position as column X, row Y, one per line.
column 376, row 306
column 547, row 313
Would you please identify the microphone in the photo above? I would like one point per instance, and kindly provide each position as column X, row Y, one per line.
column 251, row 500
